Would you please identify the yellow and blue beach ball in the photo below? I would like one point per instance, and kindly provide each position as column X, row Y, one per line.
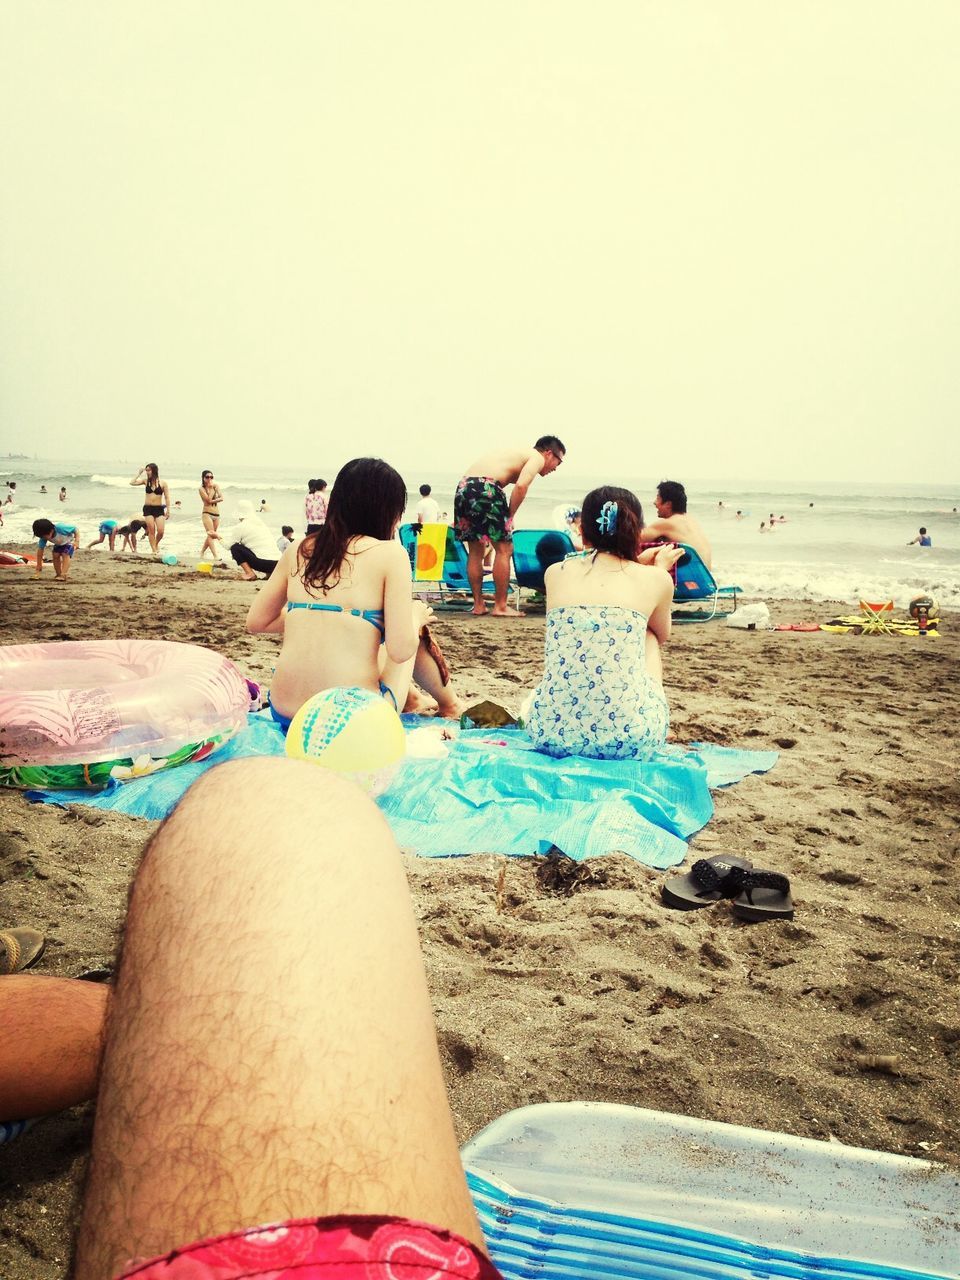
column 351, row 731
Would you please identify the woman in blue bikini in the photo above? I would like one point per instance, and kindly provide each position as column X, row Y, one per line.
column 342, row 600
column 607, row 616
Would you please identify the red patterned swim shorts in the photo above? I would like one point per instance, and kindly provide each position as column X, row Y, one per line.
column 351, row 1247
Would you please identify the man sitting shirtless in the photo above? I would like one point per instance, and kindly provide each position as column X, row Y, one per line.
column 674, row 523
column 483, row 514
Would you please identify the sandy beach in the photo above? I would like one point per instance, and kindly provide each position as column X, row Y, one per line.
column 604, row 994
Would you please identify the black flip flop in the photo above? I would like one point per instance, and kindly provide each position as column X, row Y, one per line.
column 708, row 881
column 765, row 896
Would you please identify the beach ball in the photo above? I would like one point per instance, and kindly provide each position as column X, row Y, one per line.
column 925, row 603
column 352, row 731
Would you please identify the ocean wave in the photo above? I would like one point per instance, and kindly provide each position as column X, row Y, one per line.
column 179, row 483
column 846, row 585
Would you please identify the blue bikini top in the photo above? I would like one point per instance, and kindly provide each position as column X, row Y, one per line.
column 373, row 616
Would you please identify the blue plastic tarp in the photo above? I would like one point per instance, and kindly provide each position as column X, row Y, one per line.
column 492, row 793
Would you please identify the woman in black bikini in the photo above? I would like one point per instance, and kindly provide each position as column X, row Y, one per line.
column 210, row 497
column 156, row 503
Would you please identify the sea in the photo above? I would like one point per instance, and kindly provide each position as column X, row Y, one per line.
column 837, row 542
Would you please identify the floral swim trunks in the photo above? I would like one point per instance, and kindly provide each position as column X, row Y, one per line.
column 481, row 512
column 351, row 1247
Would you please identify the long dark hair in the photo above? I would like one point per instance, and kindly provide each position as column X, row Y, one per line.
column 624, row 539
column 367, row 498
column 152, row 466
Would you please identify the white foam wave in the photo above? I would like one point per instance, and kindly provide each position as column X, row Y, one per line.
column 179, row 483
column 846, row 585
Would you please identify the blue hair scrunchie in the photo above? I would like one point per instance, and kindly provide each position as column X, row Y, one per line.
column 607, row 519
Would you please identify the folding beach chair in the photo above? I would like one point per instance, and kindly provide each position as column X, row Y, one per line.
column 453, row 580
column 697, row 585
column 877, row 618
column 534, row 551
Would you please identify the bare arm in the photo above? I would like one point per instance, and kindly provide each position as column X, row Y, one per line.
column 659, row 529
column 266, row 614
column 402, row 635
column 138, row 478
column 659, row 622
column 531, row 469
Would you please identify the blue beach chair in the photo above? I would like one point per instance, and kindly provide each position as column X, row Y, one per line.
column 534, row 551
column 697, row 585
column 454, row 580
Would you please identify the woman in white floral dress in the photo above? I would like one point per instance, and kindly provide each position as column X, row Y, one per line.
column 607, row 616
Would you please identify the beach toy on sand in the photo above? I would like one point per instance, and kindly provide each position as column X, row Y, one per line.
column 923, row 609
column 352, row 731
column 204, row 566
column 83, row 713
column 8, row 558
column 169, row 559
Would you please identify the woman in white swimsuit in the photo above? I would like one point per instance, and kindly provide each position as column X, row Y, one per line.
column 607, row 616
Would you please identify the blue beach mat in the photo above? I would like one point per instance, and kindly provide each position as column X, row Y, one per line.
column 492, row 793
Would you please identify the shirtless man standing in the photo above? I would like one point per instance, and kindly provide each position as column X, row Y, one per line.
column 673, row 522
column 482, row 513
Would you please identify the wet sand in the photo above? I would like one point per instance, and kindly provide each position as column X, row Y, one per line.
column 604, row 994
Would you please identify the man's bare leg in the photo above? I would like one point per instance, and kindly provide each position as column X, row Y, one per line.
column 271, row 1051
column 50, row 1049
column 501, row 582
column 475, row 575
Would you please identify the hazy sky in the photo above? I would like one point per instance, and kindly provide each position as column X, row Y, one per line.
column 714, row 237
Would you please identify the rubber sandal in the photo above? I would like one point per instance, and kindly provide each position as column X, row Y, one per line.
column 20, row 949
column 708, row 881
column 765, row 896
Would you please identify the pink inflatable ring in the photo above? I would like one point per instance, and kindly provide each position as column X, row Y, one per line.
column 83, row 713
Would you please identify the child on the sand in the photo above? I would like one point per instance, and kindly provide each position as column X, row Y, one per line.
column 64, row 540
column 342, row 599
column 129, row 534
column 108, row 534
column 602, row 694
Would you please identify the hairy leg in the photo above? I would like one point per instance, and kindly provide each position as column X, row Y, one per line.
column 271, row 1050
column 50, row 1050
column 501, row 581
column 475, row 575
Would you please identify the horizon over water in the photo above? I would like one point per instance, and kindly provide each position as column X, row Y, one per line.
column 850, row 544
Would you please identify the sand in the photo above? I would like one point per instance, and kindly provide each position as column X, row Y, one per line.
column 603, row 994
